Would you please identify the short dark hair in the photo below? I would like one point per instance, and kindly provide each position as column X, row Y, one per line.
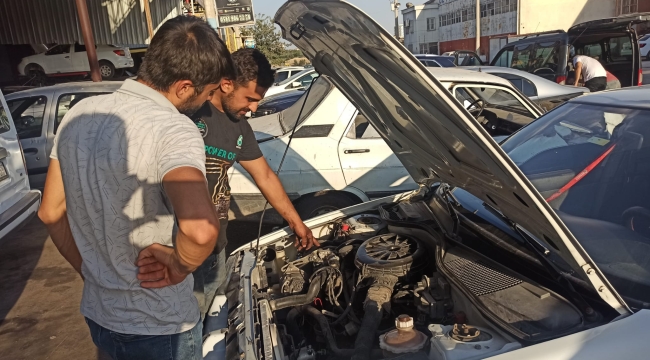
column 185, row 48
column 252, row 65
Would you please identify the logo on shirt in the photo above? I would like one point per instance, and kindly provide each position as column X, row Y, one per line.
column 203, row 127
column 240, row 141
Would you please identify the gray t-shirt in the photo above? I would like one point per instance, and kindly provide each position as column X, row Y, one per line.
column 114, row 151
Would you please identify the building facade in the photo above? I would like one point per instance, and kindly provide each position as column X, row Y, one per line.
column 421, row 28
column 456, row 20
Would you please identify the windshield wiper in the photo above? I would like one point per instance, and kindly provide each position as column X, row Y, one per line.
column 543, row 252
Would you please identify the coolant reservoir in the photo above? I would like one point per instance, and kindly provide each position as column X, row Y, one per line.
column 465, row 342
column 404, row 339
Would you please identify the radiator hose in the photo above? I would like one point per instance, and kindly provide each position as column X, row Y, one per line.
column 296, row 300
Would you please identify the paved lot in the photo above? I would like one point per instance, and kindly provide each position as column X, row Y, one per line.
column 40, row 295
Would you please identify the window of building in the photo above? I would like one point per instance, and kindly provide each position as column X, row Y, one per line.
column 627, row 6
column 431, row 24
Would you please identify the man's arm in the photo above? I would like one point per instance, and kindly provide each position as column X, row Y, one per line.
column 578, row 72
column 273, row 191
column 198, row 229
column 53, row 214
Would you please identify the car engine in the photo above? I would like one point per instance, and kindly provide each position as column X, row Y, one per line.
column 381, row 287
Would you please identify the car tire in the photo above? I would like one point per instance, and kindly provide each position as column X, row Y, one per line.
column 107, row 70
column 36, row 74
column 324, row 202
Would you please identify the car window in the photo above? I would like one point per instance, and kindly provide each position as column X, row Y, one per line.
column 592, row 50
column 546, row 60
column 28, row 114
column 620, row 48
column 79, row 48
column 66, row 102
column 431, row 63
column 446, row 61
column 498, row 109
column 522, row 57
column 58, row 50
column 306, row 80
column 362, row 129
column 590, row 164
column 281, row 76
column 4, row 120
column 521, row 83
column 505, row 58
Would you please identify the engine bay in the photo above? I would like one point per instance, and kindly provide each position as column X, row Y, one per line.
column 385, row 285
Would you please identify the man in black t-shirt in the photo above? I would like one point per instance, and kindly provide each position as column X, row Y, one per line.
column 228, row 138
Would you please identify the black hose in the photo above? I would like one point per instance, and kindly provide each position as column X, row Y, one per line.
column 367, row 332
column 297, row 300
column 325, row 329
column 292, row 326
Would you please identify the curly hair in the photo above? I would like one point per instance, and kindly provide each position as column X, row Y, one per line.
column 186, row 48
column 252, row 65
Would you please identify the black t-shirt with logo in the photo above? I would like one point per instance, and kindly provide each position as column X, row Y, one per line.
column 226, row 141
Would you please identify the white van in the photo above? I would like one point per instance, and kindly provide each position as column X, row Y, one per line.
column 18, row 203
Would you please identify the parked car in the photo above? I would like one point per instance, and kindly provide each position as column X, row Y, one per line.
column 644, row 45
column 284, row 73
column 278, row 102
column 611, row 41
column 37, row 114
column 436, row 60
column 543, row 92
column 338, row 159
column 18, row 203
column 298, row 81
column 72, row 59
column 478, row 262
column 465, row 58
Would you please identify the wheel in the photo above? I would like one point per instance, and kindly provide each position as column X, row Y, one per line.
column 107, row 70
column 36, row 75
column 322, row 203
column 637, row 219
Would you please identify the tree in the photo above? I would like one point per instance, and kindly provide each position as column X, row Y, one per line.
column 267, row 39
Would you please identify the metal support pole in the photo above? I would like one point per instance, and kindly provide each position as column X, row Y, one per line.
column 147, row 14
column 478, row 26
column 89, row 40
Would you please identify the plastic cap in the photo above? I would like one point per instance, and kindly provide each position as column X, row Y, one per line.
column 404, row 322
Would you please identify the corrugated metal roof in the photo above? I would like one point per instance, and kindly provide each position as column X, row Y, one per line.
column 55, row 21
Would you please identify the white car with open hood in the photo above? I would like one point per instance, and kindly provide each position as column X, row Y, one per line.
column 538, row 249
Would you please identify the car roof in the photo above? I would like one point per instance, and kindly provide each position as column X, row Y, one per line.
column 630, row 97
column 464, row 75
column 79, row 86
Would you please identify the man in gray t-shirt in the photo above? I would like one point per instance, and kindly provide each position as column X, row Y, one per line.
column 123, row 167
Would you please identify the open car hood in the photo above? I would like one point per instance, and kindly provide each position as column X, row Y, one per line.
column 429, row 131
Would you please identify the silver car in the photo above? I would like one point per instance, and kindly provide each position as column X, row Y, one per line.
column 37, row 114
column 544, row 92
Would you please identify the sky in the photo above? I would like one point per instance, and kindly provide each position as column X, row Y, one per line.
column 379, row 10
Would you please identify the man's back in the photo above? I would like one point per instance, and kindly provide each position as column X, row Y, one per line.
column 592, row 68
column 114, row 151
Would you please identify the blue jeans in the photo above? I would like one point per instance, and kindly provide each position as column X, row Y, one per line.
column 208, row 278
column 184, row 346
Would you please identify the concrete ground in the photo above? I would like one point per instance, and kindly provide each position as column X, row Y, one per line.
column 40, row 295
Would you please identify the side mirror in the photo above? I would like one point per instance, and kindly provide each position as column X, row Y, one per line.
column 296, row 84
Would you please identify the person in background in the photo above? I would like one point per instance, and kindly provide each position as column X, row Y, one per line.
column 228, row 138
column 123, row 167
column 592, row 71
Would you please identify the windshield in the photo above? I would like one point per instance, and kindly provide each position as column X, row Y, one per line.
column 592, row 164
column 319, row 90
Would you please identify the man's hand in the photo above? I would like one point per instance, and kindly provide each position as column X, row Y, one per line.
column 159, row 267
column 304, row 238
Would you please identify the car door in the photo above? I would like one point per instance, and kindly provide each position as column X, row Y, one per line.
column 504, row 57
column 14, row 184
column 80, row 58
column 369, row 164
column 29, row 114
column 57, row 60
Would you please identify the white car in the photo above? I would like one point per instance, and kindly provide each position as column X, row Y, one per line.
column 297, row 81
column 286, row 72
column 72, row 59
column 519, row 251
column 18, row 203
column 337, row 158
column 644, row 47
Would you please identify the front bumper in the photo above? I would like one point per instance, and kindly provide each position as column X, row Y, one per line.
column 20, row 213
